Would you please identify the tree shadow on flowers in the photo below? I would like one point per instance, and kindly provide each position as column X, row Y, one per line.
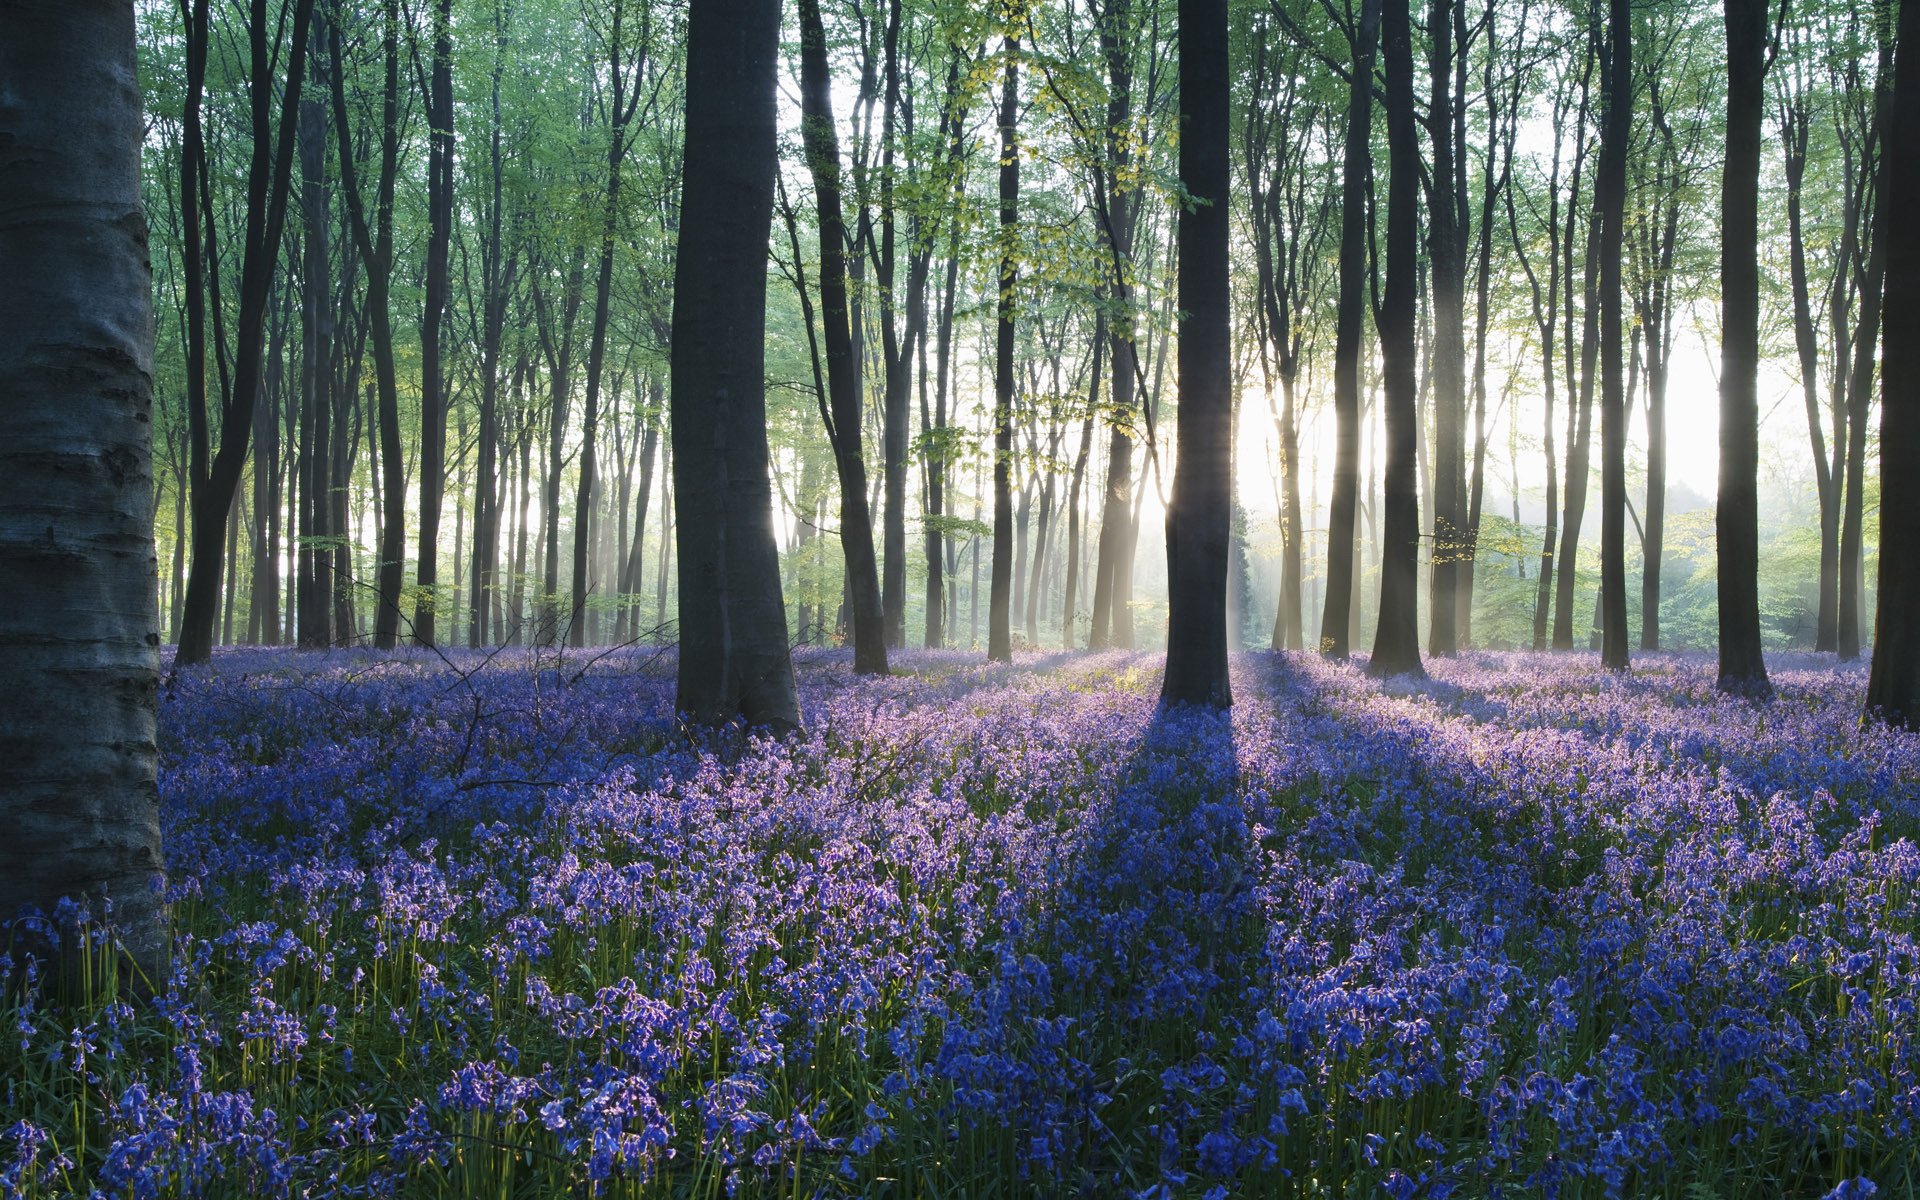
column 1100, row 1021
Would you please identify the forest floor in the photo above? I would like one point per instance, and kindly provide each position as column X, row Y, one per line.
column 472, row 926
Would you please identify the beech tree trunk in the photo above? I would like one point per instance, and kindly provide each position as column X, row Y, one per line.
column 1199, row 511
column 843, row 383
column 1396, row 644
column 1893, row 687
column 433, row 381
column 1349, row 337
column 1743, row 670
column 1610, row 209
column 999, row 610
column 734, row 663
column 79, row 611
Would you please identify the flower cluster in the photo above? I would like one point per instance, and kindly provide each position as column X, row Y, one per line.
column 461, row 925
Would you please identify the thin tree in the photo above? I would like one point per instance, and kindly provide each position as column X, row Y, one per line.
column 1743, row 670
column 844, row 417
column 78, row 582
column 999, row 605
column 1610, row 205
column 433, row 375
column 1349, row 335
column 216, row 471
column 734, row 663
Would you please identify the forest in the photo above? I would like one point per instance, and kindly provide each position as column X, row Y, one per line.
column 1140, row 598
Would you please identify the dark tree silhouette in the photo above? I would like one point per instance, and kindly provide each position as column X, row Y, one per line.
column 843, row 382
column 1000, row 598
column 1199, row 511
column 733, row 622
column 1396, row 643
column 1893, row 688
column 1349, row 335
column 78, row 600
column 1610, row 209
column 1736, row 520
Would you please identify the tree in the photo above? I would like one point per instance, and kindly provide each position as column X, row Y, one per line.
column 844, row 416
column 1396, row 644
column 433, row 375
column 1349, row 335
column 734, row 662
column 1893, row 687
column 1199, row 514
column 1743, row 670
column 1610, row 209
column 217, row 470
column 999, row 610
column 77, row 570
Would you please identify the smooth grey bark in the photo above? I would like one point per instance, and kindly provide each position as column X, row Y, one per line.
column 734, row 662
column 79, row 615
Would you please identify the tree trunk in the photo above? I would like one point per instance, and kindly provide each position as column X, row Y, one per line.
column 1893, row 687
column 843, row 383
column 999, row 612
column 433, row 382
column 1349, row 337
column 1199, row 511
column 734, row 662
column 1743, row 670
column 375, row 240
column 216, row 473
column 1610, row 203
column 78, row 601
column 1396, row 645
column 1446, row 251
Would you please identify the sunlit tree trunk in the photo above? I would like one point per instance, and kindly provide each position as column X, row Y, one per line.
column 78, row 602
column 1336, row 623
column 1396, row 644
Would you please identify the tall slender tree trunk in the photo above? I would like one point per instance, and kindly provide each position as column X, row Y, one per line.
column 1610, row 206
column 1349, row 337
column 375, row 238
column 1110, row 623
column 216, row 473
column 1396, row 644
column 1199, row 511
column 734, row 663
column 1446, row 249
column 843, row 381
column 623, row 103
column 1860, row 381
column 999, row 612
column 1743, row 670
column 433, row 381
